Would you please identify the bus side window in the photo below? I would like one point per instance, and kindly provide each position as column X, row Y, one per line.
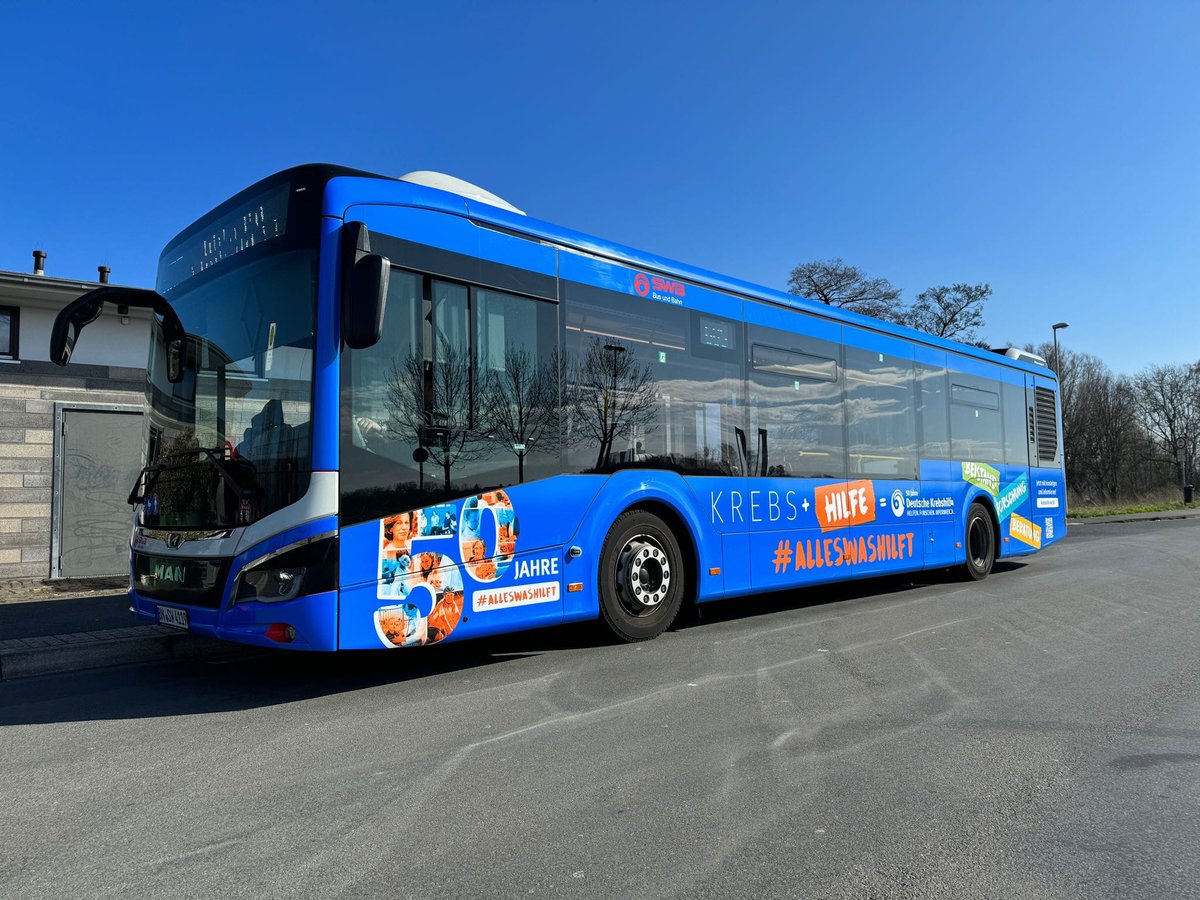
column 1016, row 424
column 881, row 419
column 517, row 414
column 976, row 434
column 459, row 394
column 796, row 406
column 649, row 385
column 933, row 404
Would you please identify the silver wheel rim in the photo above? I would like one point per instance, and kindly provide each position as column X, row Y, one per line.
column 643, row 575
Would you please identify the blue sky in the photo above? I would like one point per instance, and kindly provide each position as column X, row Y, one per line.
column 1050, row 149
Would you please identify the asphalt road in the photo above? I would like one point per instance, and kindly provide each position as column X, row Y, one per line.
column 1037, row 735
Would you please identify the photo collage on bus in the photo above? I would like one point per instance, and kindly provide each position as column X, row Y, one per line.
column 423, row 557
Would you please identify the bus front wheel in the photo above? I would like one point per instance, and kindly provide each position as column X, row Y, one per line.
column 642, row 576
column 980, row 543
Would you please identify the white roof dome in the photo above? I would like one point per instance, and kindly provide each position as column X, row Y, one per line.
column 443, row 182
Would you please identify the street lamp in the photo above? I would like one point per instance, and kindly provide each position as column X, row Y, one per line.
column 1054, row 329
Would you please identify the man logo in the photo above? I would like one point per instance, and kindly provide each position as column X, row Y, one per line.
column 167, row 572
column 641, row 284
column 897, row 503
column 174, row 540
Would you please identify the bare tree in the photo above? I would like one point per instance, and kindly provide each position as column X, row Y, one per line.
column 834, row 283
column 1084, row 386
column 950, row 311
column 429, row 405
column 1115, row 443
column 1168, row 398
column 519, row 404
column 610, row 395
column 1109, row 454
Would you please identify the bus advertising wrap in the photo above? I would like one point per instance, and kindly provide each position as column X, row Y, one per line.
column 494, row 561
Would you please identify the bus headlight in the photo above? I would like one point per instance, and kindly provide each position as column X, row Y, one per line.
column 271, row 585
column 307, row 568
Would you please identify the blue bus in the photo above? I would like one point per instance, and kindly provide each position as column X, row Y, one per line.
column 385, row 412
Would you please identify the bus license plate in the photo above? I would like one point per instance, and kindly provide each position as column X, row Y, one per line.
column 175, row 618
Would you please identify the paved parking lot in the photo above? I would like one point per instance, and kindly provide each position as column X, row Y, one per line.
column 1037, row 735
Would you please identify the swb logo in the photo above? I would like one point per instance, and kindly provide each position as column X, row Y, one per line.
column 643, row 284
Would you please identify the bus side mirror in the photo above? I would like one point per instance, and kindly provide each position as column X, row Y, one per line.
column 86, row 309
column 364, row 302
column 364, row 288
column 69, row 323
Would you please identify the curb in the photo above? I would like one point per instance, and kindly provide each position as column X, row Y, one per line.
column 1133, row 517
column 27, row 657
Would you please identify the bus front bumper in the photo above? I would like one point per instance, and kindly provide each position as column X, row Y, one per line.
column 305, row 623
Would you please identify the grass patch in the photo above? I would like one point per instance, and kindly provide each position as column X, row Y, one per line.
column 1125, row 509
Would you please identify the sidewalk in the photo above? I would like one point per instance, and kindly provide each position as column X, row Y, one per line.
column 1192, row 513
column 67, row 626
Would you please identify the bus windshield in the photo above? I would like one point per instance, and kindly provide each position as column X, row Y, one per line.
column 231, row 442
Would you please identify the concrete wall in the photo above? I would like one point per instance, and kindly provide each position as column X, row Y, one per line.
column 28, row 393
column 105, row 342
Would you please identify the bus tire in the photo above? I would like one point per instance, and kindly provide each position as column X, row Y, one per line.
column 642, row 576
column 980, row 543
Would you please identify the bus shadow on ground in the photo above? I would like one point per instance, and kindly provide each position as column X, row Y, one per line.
column 254, row 679
column 251, row 678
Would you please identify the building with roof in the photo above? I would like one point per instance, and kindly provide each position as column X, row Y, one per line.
column 70, row 438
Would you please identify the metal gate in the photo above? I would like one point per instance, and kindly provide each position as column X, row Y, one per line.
column 98, row 452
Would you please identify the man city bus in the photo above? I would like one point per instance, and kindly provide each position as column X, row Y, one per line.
column 387, row 412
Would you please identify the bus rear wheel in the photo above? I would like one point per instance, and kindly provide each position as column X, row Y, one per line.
column 642, row 577
column 980, row 543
